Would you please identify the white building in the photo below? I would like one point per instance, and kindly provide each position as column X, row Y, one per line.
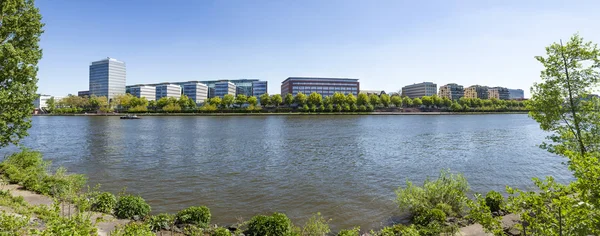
column 224, row 88
column 143, row 91
column 41, row 102
column 196, row 91
column 168, row 90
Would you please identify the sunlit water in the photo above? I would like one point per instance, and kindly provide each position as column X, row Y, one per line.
column 346, row 167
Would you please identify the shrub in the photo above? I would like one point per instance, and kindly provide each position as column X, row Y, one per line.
column 61, row 184
column 305, row 108
column 277, row 224
column 75, row 225
column 140, row 108
column 199, row 216
column 104, row 202
column 133, row 229
column 129, row 206
column 220, row 232
column 370, row 107
column 173, row 107
column 362, row 108
column 494, row 200
column 161, row 221
column 25, row 168
column 399, row 230
column 12, row 224
column 316, row 226
column 350, row 232
column 430, row 215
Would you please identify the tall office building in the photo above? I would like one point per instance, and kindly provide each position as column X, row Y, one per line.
column 419, row 90
column 259, row 88
column 168, row 90
column 323, row 86
column 452, row 91
column 143, row 91
column 107, row 78
column 223, row 88
column 196, row 91
column 516, row 94
column 498, row 93
column 476, row 91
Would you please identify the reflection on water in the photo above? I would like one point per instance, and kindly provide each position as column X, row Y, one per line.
column 346, row 167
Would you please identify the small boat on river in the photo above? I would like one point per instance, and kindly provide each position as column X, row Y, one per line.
column 130, row 117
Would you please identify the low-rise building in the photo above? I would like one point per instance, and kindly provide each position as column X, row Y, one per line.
column 498, row 93
column 452, row 91
column 225, row 87
column 476, row 91
column 516, row 94
column 196, row 91
column 419, row 90
column 143, row 91
column 323, row 86
column 168, row 90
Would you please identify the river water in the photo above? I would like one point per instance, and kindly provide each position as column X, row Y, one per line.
column 346, row 167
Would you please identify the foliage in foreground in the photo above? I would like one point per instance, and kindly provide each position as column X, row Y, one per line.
column 316, row 226
column 161, row 221
column 198, row 216
column 104, row 202
column 133, row 229
column 276, row 224
column 131, row 207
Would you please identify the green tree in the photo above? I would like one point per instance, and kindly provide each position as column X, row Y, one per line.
column 437, row 101
column 417, row 102
column 289, row 99
column 315, row 99
column 20, row 31
column 464, row 101
column 374, row 100
column 300, row 99
column 363, row 99
column 407, row 101
column 276, row 99
column 51, row 104
column 252, row 100
column 427, row 101
column 227, row 100
column 338, row 99
column 385, row 100
column 455, row 106
column 446, row 102
column 240, row 99
column 396, row 100
column 152, row 104
column 215, row 101
column 265, row 99
column 350, row 99
column 327, row 101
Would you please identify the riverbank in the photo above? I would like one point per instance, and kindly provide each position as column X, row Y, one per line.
column 291, row 114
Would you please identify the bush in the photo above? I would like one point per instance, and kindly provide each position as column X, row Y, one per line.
column 129, row 206
column 362, row 108
column 220, row 232
column 61, row 184
column 133, row 229
column 399, row 230
column 370, row 107
column 199, row 216
column 350, row 232
column 104, row 202
column 430, row 215
column 494, row 200
column 140, row 108
column 12, row 224
column 25, row 168
column 316, row 225
column 277, row 224
column 161, row 221
column 173, row 107
column 75, row 225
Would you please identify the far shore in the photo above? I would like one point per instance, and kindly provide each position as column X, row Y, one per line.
column 289, row 113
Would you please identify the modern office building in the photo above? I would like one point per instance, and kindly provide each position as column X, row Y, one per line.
column 452, row 91
column 476, row 91
column 143, row 91
column 223, row 88
column 419, row 90
column 516, row 94
column 196, row 91
column 323, row 86
column 498, row 93
column 259, row 88
column 83, row 93
column 247, row 86
column 107, row 78
column 41, row 102
column 168, row 90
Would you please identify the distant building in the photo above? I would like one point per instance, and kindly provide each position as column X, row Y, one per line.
column 246, row 86
column 476, row 91
column 223, row 88
column 196, row 91
column 143, row 91
column 452, row 91
column 419, row 90
column 516, row 94
column 498, row 93
column 259, row 88
column 323, row 86
column 41, row 102
column 168, row 90
column 83, row 93
column 107, row 78
column 376, row 92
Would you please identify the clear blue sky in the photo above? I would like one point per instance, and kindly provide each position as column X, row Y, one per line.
column 385, row 43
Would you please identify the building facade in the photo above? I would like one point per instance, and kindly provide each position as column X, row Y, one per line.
column 247, row 86
column 196, row 91
column 168, row 90
column 143, row 91
column 419, row 90
column 476, row 91
column 516, row 94
column 41, row 101
column 498, row 93
column 107, row 78
column 83, row 93
column 323, row 86
column 452, row 91
column 259, row 88
column 223, row 88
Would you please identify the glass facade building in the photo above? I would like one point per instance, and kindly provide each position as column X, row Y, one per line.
column 168, row 90
column 419, row 90
column 323, row 86
column 143, row 91
column 107, row 78
column 516, row 94
column 225, row 87
column 452, row 91
column 259, row 88
column 498, row 93
column 196, row 91
column 243, row 86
